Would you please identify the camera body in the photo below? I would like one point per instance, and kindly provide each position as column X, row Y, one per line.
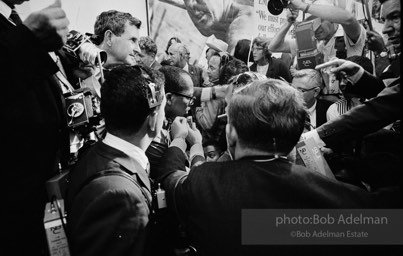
column 308, row 55
column 79, row 107
column 275, row 7
column 79, row 45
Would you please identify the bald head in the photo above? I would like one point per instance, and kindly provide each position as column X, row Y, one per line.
column 178, row 55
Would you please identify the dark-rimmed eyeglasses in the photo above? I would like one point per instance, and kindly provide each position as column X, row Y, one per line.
column 190, row 98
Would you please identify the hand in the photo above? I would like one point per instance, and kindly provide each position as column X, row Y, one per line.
column 194, row 135
column 49, row 25
column 292, row 15
column 221, row 91
column 375, row 41
column 339, row 65
column 296, row 5
column 179, row 128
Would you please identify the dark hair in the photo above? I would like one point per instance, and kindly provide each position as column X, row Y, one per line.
column 268, row 115
column 232, row 68
column 262, row 42
column 212, row 142
column 114, row 21
column 148, row 45
column 124, row 103
column 242, row 50
column 363, row 61
column 174, row 80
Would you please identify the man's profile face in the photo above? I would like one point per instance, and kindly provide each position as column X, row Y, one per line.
column 146, row 58
column 180, row 103
column 213, row 70
column 174, row 56
column 390, row 14
column 124, row 46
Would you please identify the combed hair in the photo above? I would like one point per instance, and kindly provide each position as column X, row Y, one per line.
column 314, row 76
column 148, row 45
column 265, row 112
column 124, row 103
column 114, row 21
column 262, row 42
column 174, row 81
column 232, row 68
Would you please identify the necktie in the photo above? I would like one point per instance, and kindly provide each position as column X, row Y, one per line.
column 14, row 17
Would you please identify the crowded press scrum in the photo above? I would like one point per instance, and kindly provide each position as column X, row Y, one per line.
column 127, row 155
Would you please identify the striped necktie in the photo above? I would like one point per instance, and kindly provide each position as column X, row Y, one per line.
column 14, row 17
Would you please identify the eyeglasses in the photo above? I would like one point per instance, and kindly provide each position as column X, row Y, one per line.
column 306, row 90
column 190, row 98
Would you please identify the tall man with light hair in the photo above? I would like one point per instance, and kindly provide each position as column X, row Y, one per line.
column 178, row 55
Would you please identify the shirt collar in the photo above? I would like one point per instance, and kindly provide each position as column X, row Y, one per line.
column 186, row 67
column 312, row 109
column 5, row 10
column 134, row 152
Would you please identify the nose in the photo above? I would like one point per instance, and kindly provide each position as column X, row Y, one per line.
column 387, row 27
column 136, row 47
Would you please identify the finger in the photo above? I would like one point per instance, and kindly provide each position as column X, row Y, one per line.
column 338, row 69
column 329, row 63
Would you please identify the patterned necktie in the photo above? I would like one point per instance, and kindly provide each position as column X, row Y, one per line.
column 14, row 17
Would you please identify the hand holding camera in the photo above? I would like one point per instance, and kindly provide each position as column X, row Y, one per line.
column 49, row 25
column 194, row 136
column 292, row 15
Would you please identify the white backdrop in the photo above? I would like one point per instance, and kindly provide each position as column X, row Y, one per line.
column 82, row 13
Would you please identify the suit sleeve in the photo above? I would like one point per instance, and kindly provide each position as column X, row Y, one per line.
column 364, row 119
column 22, row 51
column 284, row 72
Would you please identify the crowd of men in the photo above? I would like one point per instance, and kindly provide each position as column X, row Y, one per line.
column 181, row 150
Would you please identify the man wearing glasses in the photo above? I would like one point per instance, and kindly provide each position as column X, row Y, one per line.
column 179, row 94
column 309, row 83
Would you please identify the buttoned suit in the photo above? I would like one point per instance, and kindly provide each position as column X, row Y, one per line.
column 109, row 215
column 210, row 199
column 33, row 132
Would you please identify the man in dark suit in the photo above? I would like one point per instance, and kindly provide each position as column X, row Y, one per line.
column 109, row 196
column 261, row 131
column 178, row 55
column 33, row 121
column 309, row 83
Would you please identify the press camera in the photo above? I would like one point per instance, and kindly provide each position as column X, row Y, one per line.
column 308, row 55
column 276, row 7
column 81, row 47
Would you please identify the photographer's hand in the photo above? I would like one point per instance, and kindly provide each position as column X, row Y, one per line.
column 50, row 26
column 194, row 135
column 375, row 41
column 339, row 65
column 179, row 128
column 292, row 15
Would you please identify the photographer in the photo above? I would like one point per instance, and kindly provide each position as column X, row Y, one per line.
column 327, row 33
column 33, row 121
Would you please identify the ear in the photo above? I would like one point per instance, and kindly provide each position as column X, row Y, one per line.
column 108, row 37
column 232, row 135
column 317, row 91
column 169, row 96
column 152, row 121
